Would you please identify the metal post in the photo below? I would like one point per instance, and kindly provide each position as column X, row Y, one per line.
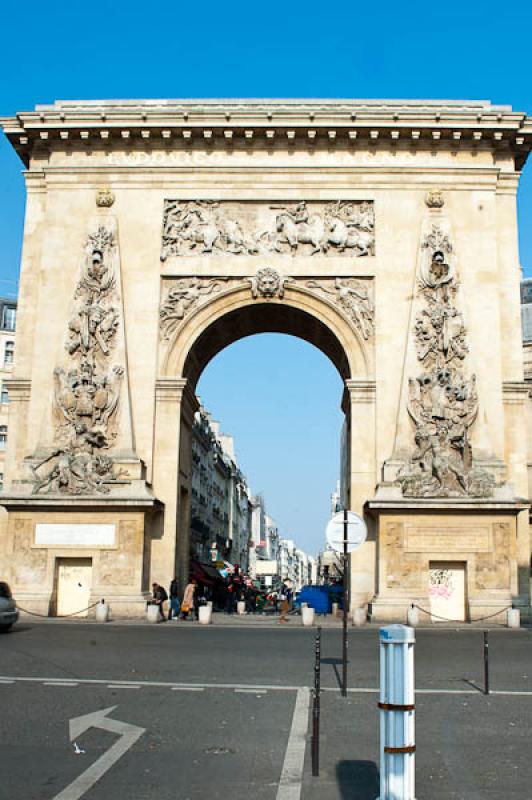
column 344, row 619
column 486, row 664
column 397, row 709
column 316, row 708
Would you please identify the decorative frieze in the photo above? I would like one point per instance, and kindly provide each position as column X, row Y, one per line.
column 183, row 296
column 87, row 390
column 352, row 296
column 235, row 228
column 442, row 400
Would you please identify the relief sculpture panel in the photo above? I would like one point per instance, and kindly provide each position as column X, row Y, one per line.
column 442, row 401
column 87, row 390
column 351, row 296
column 195, row 227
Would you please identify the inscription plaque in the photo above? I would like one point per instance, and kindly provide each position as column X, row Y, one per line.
column 74, row 535
column 449, row 539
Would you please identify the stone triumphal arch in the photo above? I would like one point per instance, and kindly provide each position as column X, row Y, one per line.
column 159, row 232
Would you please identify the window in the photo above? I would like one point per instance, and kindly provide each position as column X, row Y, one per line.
column 4, row 394
column 3, row 436
column 9, row 316
column 9, row 353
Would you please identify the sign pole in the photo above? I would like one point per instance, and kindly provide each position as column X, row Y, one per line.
column 344, row 627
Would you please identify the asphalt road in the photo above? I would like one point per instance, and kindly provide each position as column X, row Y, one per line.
column 221, row 712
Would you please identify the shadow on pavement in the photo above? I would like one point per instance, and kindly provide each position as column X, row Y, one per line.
column 334, row 662
column 358, row 779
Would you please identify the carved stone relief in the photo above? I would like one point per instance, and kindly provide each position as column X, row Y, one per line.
column 104, row 198
column 268, row 283
column 354, row 297
column 183, row 296
column 232, row 228
column 435, row 199
column 442, row 400
column 86, row 394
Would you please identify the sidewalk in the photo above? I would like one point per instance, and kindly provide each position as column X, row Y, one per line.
column 265, row 622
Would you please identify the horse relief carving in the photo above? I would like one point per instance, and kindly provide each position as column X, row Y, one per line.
column 303, row 228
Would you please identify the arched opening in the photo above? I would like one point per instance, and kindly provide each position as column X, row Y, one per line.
column 263, row 318
column 208, row 330
column 272, row 403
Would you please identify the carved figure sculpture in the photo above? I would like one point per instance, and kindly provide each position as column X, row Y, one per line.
column 86, row 395
column 182, row 297
column 268, row 283
column 442, row 403
column 354, row 299
column 204, row 226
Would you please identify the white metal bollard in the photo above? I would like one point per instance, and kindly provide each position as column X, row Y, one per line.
column 397, row 748
column 241, row 607
column 412, row 617
column 307, row 617
column 335, row 607
column 153, row 614
column 205, row 615
column 514, row 618
column 102, row 612
column 359, row 617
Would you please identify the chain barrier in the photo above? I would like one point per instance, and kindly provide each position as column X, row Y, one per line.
column 60, row 616
column 446, row 619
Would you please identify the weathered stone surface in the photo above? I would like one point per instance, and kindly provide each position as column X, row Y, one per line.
column 384, row 233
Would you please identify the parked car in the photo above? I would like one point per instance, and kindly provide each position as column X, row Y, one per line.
column 8, row 608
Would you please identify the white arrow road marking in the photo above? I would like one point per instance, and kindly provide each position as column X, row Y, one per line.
column 99, row 719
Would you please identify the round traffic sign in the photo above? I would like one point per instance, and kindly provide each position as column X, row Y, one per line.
column 356, row 532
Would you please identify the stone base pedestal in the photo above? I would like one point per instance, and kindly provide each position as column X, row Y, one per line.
column 62, row 555
column 455, row 558
column 123, row 606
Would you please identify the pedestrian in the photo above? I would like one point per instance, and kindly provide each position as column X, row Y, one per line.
column 284, row 597
column 159, row 597
column 230, row 597
column 187, row 604
column 173, row 611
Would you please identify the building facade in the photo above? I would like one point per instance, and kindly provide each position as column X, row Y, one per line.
column 8, row 318
column 220, row 503
column 159, row 232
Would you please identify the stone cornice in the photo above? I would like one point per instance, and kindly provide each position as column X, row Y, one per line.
column 228, row 122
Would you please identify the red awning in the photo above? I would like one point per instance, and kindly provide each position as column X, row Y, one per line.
column 203, row 572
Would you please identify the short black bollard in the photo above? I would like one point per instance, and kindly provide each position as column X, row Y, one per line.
column 316, row 707
column 486, row 664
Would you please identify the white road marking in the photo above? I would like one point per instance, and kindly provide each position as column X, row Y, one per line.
column 99, row 719
column 123, row 686
column 9, row 679
column 294, row 759
column 251, row 691
column 156, row 684
column 188, row 689
column 60, row 683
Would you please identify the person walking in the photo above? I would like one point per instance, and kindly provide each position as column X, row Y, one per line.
column 230, row 597
column 173, row 611
column 187, row 603
column 284, row 597
column 159, row 597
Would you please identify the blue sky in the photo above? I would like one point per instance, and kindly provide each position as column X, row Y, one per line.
column 66, row 50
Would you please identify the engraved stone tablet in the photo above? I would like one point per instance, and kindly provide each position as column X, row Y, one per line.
column 75, row 535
